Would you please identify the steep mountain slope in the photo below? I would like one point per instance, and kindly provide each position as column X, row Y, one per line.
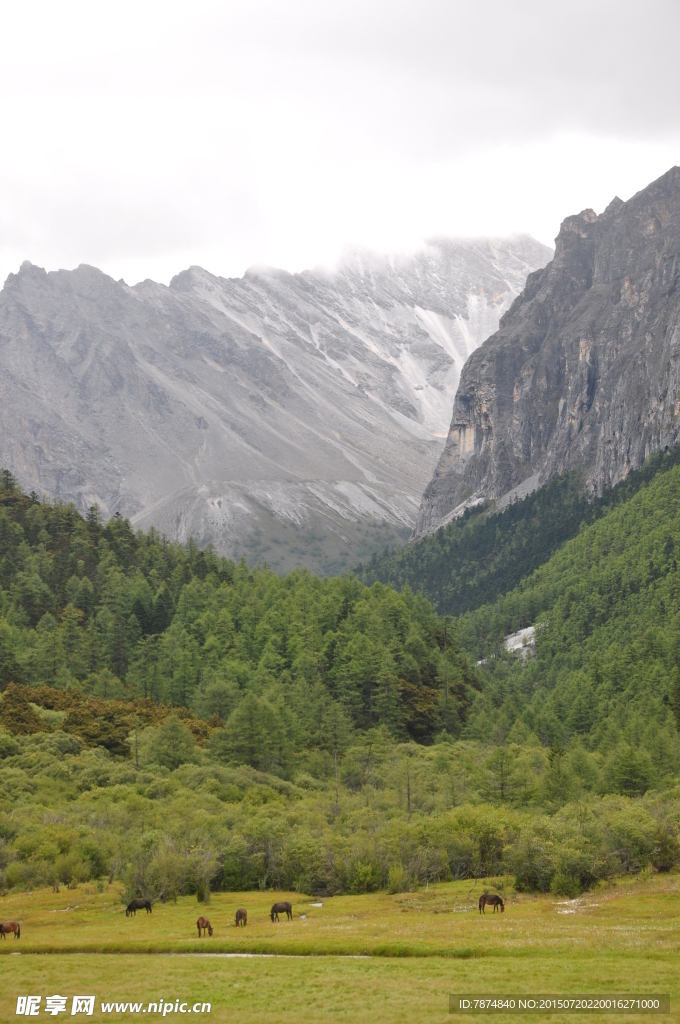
column 484, row 553
column 584, row 369
column 607, row 665
column 305, row 410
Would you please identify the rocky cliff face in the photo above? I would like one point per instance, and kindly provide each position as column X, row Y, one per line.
column 584, row 370
column 295, row 418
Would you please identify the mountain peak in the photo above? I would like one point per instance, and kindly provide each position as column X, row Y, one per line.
column 241, row 411
column 584, row 370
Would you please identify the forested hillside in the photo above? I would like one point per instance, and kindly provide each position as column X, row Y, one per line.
column 607, row 672
column 484, row 554
column 121, row 615
column 181, row 723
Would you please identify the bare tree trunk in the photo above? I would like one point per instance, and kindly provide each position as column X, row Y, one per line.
column 337, row 802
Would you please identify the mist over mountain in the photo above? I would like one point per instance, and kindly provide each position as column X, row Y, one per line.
column 289, row 417
column 584, row 371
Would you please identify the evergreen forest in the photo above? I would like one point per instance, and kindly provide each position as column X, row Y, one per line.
column 485, row 553
column 183, row 723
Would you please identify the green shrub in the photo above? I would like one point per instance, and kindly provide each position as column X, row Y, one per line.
column 397, row 879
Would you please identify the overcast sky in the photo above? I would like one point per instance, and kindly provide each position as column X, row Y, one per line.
column 144, row 137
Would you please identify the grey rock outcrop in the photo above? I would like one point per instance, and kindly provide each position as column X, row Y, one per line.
column 295, row 418
column 584, row 370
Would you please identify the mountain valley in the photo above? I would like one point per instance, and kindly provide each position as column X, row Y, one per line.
column 292, row 418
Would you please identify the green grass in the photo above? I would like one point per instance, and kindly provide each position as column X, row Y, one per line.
column 306, row 990
column 379, row 957
column 632, row 915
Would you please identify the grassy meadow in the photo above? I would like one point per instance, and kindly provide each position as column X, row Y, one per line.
column 373, row 957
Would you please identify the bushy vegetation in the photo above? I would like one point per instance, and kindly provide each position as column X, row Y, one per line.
column 484, row 554
column 178, row 819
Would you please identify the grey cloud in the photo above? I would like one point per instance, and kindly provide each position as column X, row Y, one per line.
column 508, row 68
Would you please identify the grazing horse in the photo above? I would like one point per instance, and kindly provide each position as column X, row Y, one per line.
column 136, row 905
column 203, row 923
column 10, row 926
column 281, row 908
column 493, row 901
column 241, row 917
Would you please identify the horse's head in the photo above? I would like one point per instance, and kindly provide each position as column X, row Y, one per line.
column 209, row 929
column 502, row 907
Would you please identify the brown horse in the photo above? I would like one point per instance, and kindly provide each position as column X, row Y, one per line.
column 492, row 901
column 203, row 923
column 282, row 908
column 241, row 917
column 10, row 926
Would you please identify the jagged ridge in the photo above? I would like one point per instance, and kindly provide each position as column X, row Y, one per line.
column 583, row 371
column 288, row 412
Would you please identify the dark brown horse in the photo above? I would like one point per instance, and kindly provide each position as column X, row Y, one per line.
column 136, row 905
column 203, row 923
column 492, row 901
column 282, row 908
column 241, row 917
column 10, row 926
